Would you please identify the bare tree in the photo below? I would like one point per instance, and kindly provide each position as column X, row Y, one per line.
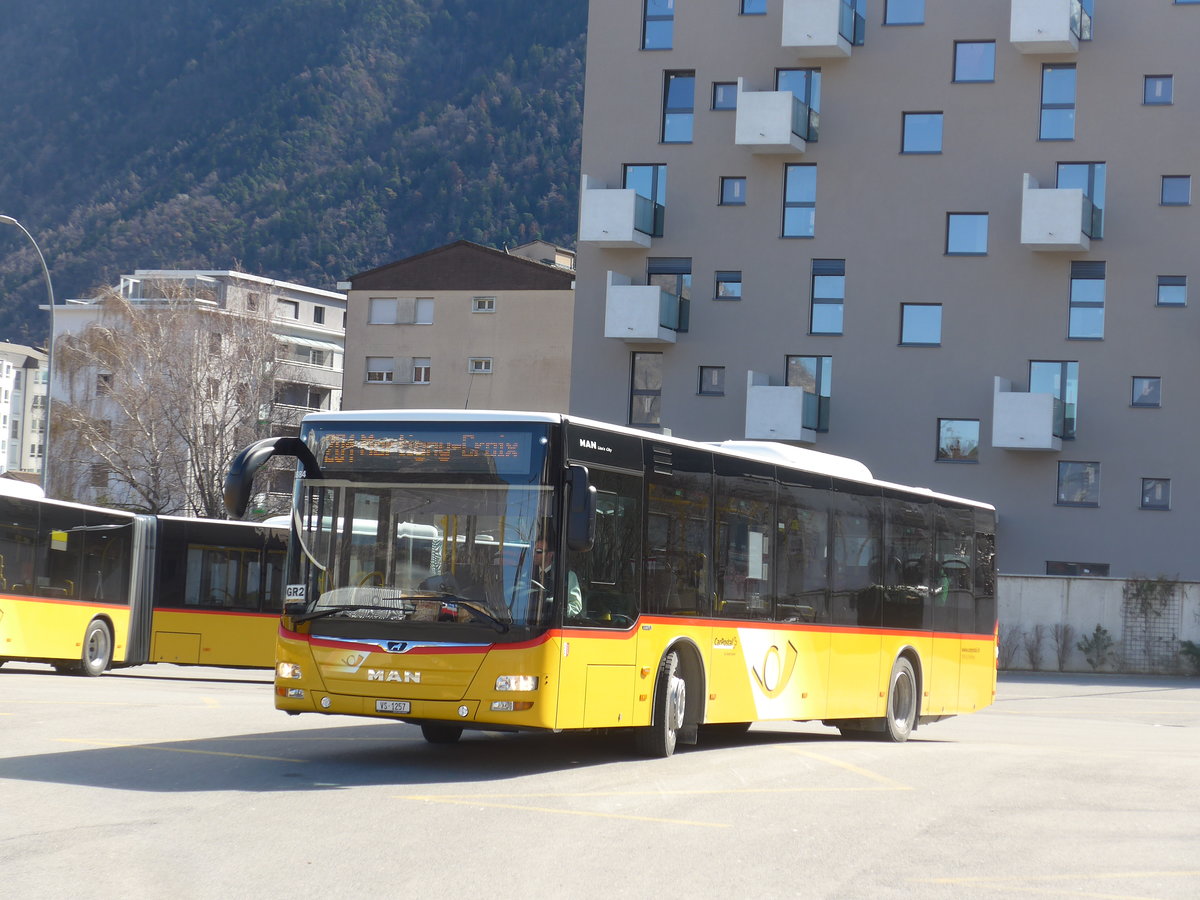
column 1033, row 645
column 1063, row 636
column 160, row 394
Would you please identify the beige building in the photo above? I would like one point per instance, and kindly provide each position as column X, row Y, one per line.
column 464, row 327
column 953, row 240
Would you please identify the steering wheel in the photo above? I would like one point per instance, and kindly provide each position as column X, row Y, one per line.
column 377, row 576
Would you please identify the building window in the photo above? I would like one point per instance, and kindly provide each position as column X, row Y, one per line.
column 921, row 132
column 673, row 275
column 423, row 312
column 483, row 304
column 728, row 286
column 1058, row 102
column 966, row 234
column 974, row 61
column 287, row 309
column 1159, row 90
column 733, row 191
column 104, row 384
column 1079, row 484
column 1089, row 178
column 1176, row 190
column 252, row 301
column 805, row 86
column 712, row 381
column 650, row 183
column 1172, row 290
column 828, row 296
column 1086, row 319
column 724, row 95
column 99, row 477
column 1060, row 379
column 815, row 375
column 1147, row 391
column 921, row 324
column 318, row 315
column 754, row 7
column 480, row 365
column 958, row 440
column 1076, row 569
column 421, row 370
column 381, row 311
column 904, row 12
column 645, row 394
column 381, row 369
column 799, row 200
column 658, row 24
column 1156, row 493
column 679, row 107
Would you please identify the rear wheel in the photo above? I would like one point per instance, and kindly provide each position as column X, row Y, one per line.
column 441, row 734
column 97, row 652
column 902, row 702
column 670, row 700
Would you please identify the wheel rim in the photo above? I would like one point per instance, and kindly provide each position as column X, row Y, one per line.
column 676, row 702
column 903, row 695
column 97, row 648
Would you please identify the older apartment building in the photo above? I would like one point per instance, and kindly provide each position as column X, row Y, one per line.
column 462, row 326
column 23, row 379
column 952, row 240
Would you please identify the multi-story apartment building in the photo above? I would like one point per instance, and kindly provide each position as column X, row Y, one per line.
column 23, row 378
column 462, row 326
column 306, row 326
column 952, row 240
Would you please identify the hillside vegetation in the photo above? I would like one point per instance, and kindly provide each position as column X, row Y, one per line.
column 300, row 139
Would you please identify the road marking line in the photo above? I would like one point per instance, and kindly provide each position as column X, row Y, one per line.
column 114, row 744
column 568, row 812
column 865, row 773
column 1030, row 884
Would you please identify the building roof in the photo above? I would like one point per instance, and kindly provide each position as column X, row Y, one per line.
column 464, row 266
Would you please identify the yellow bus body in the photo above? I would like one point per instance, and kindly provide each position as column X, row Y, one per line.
column 213, row 638
column 53, row 629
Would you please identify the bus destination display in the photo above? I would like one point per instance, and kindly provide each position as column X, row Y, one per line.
column 502, row 452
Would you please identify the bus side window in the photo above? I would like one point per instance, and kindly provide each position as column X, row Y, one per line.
column 608, row 573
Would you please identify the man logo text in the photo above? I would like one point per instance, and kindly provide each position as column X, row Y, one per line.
column 393, row 675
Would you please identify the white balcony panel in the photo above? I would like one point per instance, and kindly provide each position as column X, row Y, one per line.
column 1052, row 218
column 632, row 312
column 1043, row 26
column 607, row 216
column 1023, row 421
column 764, row 122
column 810, row 28
column 775, row 412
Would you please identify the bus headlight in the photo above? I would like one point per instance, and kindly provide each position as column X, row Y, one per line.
column 511, row 705
column 517, row 683
column 288, row 670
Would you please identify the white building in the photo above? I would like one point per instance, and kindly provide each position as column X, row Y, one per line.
column 23, row 377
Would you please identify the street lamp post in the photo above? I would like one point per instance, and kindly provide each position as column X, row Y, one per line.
column 9, row 220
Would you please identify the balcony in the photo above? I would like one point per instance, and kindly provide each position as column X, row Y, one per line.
column 778, row 412
column 1048, row 26
column 821, row 28
column 773, row 121
column 1056, row 218
column 617, row 217
column 642, row 313
column 1025, row 421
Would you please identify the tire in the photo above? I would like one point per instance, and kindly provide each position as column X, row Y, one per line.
column 901, row 702
column 97, row 652
column 670, row 701
column 441, row 734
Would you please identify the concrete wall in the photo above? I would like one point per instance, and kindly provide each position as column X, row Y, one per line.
column 1151, row 645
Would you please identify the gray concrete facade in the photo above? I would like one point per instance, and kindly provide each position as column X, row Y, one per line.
column 885, row 213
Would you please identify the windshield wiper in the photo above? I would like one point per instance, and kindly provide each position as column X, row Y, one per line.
column 475, row 608
column 324, row 611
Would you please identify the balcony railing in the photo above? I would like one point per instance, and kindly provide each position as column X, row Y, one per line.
column 781, row 412
column 1081, row 21
column 648, row 216
column 1022, row 420
column 816, row 28
column 805, row 120
column 643, row 313
column 1057, row 218
column 1049, row 26
column 773, row 122
column 617, row 217
column 852, row 25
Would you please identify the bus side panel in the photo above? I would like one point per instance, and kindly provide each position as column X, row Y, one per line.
column 856, row 674
column 977, row 681
column 213, row 638
column 762, row 673
column 941, row 677
column 53, row 629
column 597, row 678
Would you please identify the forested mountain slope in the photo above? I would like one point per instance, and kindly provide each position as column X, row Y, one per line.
column 300, row 139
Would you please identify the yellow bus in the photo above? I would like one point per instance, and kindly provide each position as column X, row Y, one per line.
column 85, row 588
column 536, row 571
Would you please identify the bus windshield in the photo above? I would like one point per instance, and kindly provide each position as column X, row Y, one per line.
column 444, row 555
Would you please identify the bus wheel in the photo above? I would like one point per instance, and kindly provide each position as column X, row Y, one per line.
column 901, row 702
column 441, row 734
column 97, row 649
column 670, row 698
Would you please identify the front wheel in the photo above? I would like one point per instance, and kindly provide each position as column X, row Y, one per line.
column 670, row 700
column 441, row 734
column 97, row 652
column 901, row 702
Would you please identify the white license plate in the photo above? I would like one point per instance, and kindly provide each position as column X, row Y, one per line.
column 393, row 706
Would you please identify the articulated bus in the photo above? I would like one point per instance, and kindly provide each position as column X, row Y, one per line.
column 85, row 588
column 534, row 571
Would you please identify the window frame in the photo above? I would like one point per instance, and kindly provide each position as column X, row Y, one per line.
column 422, row 370
column 1148, row 485
column 654, row 394
column 1170, row 281
column 718, row 88
column 717, row 390
column 389, row 373
column 1183, row 179
column 972, row 457
column 1138, row 389
column 479, row 365
column 904, row 308
column 1074, row 305
column 1058, row 106
column 904, row 132
column 648, row 18
column 483, row 305
column 824, row 268
column 718, row 280
column 954, row 79
column 887, row 6
column 727, row 181
column 799, row 204
column 1092, row 490
column 951, row 216
column 1168, row 80
column 677, row 115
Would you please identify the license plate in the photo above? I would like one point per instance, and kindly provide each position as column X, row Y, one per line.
column 393, row 706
